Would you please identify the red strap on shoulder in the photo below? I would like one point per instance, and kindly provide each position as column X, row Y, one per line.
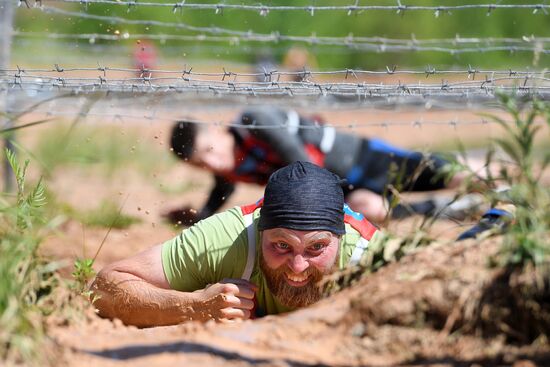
column 250, row 208
column 358, row 222
column 365, row 228
column 315, row 154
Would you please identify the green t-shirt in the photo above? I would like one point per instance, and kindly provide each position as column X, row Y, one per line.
column 217, row 248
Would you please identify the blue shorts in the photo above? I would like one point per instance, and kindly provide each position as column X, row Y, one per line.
column 380, row 164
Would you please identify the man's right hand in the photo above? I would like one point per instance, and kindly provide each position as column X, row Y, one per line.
column 186, row 216
column 227, row 301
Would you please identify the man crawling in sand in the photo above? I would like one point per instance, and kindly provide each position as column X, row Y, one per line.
column 246, row 262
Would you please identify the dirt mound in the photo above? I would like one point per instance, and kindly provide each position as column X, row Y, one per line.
column 433, row 287
column 433, row 307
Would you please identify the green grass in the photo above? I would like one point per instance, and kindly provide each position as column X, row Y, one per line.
column 30, row 286
column 26, row 279
column 110, row 148
column 526, row 243
column 106, row 215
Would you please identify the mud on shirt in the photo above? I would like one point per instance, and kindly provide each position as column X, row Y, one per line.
column 218, row 247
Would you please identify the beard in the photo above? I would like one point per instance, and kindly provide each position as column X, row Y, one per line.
column 288, row 295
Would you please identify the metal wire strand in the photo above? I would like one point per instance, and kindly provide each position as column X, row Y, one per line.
column 264, row 10
column 371, row 44
column 306, row 74
column 105, row 116
column 353, row 91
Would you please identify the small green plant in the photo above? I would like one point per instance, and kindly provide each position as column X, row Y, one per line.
column 84, row 271
column 82, row 274
column 526, row 241
column 515, row 304
column 26, row 279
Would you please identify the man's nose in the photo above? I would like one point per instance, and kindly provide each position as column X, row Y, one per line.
column 298, row 264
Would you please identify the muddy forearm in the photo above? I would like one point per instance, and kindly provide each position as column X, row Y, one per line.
column 136, row 302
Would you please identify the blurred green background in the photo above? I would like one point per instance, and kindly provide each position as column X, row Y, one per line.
column 515, row 23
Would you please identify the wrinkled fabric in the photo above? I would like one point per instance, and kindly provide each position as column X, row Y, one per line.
column 305, row 197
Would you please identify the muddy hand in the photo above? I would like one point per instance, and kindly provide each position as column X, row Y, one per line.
column 227, row 301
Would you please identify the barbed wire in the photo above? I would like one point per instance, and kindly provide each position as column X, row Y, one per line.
column 305, row 84
column 195, row 101
column 383, row 40
column 275, row 37
column 273, row 75
column 353, row 89
column 375, row 44
column 355, row 8
column 480, row 85
column 418, row 123
column 208, row 88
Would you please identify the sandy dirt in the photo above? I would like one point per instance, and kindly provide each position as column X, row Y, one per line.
column 409, row 313
column 406, row 314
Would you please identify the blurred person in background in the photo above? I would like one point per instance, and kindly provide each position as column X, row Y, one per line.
column 264, row 64
column 144, row 58
column 272, row 137
column 299, row 60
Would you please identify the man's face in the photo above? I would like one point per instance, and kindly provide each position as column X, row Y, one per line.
column 293, row 262
column 213, row 150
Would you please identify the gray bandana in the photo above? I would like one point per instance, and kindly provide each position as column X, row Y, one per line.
column 305, row 197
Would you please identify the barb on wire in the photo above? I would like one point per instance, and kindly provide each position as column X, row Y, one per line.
column 264, row 10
